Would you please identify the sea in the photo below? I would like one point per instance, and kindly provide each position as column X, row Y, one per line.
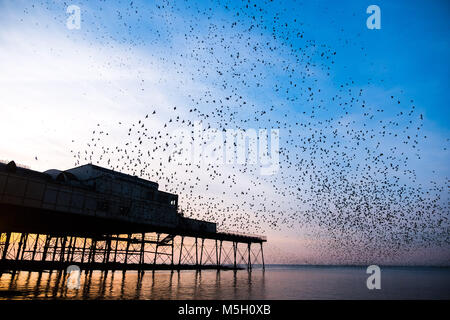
column 276, row 282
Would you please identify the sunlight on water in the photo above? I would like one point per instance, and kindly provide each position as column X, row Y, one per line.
column 277, row 282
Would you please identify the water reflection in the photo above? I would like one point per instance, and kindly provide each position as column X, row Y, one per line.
column 302, row 282
column 206, row 284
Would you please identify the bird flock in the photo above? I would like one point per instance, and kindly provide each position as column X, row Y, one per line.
column 346, row 173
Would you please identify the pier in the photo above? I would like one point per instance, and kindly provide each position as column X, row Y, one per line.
column 99, row 219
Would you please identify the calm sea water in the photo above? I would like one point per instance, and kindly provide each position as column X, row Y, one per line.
column 276, row 282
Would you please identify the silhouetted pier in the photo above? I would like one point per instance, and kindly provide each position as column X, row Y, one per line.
column 100, row 219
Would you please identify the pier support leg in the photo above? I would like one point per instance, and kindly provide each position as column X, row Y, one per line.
column 201, row 251
column 35, row 247
column 262, row 255
column 107, row 250
column 90, row 251
column 141, row 256
column 115, row 249
column 55, row 246
column 93, row 251
column 173, row 242
column 83, row 250
column 24, row 246
column 6, row 246
column 196, row 252
column 46, row 245
column 63, row 249
column 74, row 247
column 128, row 248
column 181, row 250
column 234, row 251
column 156, row 250
column 22, row 235
column 217, row 255
column 220, row 253
column 69, row 248
column 249, row 262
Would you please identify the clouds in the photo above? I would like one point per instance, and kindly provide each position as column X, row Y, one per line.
column 55, row 89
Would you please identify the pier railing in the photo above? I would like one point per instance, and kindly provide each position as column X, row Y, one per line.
column 243, row 234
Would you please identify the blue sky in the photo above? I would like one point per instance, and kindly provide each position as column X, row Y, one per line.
column 132, row 57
